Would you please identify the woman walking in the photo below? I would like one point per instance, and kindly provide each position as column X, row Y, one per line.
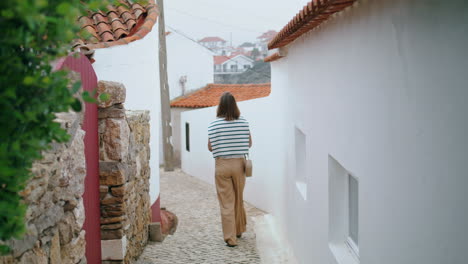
column 229, row 140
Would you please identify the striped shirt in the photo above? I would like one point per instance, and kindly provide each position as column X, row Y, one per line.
column 229, row 138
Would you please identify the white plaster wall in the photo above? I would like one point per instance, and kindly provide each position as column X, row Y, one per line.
column 187, row 58
column 136, row 65
column 382, row 88
column 265, row 120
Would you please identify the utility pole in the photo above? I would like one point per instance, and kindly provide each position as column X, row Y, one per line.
column 164, row 88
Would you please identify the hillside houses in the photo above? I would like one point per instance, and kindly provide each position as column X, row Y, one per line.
column 216, row 44
column 236, row 63
column 229, row 60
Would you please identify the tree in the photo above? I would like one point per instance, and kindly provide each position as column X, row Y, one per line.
column 255, row 53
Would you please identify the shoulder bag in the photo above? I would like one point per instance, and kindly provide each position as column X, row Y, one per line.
column 248, row 166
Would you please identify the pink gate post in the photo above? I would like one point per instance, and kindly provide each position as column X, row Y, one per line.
column 92, row 224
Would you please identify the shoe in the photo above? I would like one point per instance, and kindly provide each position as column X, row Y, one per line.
column 230, row 244
column 239, row 236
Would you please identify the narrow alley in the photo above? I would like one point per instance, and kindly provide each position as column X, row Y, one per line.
column 198, row 238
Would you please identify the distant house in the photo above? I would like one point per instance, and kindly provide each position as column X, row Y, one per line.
column 262, row 41
column 215, row 44
column 234, row 64
column 202, row 98
column 248, row 46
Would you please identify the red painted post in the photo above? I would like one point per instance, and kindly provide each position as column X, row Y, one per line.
column 92, row 224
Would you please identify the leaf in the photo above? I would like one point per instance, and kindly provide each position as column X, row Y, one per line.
column 8, row 13
column 63, row 8
column 104, row 97
column 76, row 105
column 75, row 87
column 28, row 80
column 88, row 98
column 41, row 3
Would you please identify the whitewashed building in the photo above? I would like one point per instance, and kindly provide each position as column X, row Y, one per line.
column 128, row 53
column 262, row 41
column 238, row 63
column 366, row 160
column 215, row 44
column 206, row 97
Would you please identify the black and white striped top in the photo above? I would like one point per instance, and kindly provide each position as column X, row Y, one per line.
column 229, row 138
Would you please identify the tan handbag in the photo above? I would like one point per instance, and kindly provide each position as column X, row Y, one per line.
column 248, row 166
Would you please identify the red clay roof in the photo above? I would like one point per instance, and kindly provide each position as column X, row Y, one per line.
column 119, row 24
column 209, row 96
column 312, row 15
column 211, row 39
column 273, row 57
column 218, row 60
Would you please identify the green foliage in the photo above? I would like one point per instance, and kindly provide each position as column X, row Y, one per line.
column 34, row 34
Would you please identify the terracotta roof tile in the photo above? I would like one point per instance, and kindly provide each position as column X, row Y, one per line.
column 209, row 96
column 312, row 15
column 273, row 57
column 127, row 21
column 218, row 60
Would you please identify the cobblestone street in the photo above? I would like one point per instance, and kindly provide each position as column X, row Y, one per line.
column 198, row 238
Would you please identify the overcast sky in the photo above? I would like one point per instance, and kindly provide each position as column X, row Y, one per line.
column 244, row 19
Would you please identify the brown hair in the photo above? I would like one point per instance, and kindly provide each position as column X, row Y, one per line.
column 227, row 107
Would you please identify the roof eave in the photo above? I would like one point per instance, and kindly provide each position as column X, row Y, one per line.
column 312, row 15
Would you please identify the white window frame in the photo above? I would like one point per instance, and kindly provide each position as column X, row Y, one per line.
column 353, row 247
column 350, row 241
column 344, row 249
column 300, row 173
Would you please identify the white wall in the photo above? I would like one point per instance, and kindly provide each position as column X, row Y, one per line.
column 260, row 113
column 136, row 66
column 187, row 58
column 382, row 89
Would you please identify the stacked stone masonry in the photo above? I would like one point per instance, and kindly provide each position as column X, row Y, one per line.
column 124, row 176
column 55, row 213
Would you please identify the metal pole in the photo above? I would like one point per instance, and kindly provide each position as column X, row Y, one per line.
column 164, row 88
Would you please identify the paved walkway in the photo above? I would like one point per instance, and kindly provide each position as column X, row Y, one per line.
column 198, row 238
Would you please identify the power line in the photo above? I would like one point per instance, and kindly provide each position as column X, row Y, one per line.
column 241, row 9
column 191, row 39
column 214, row 21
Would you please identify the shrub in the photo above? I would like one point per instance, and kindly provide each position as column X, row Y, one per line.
column 34, row 33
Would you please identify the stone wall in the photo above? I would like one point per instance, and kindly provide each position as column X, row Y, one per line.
column 124, row 177
column 55, row 213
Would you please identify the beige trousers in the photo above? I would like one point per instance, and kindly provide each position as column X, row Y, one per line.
column 230, row 182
